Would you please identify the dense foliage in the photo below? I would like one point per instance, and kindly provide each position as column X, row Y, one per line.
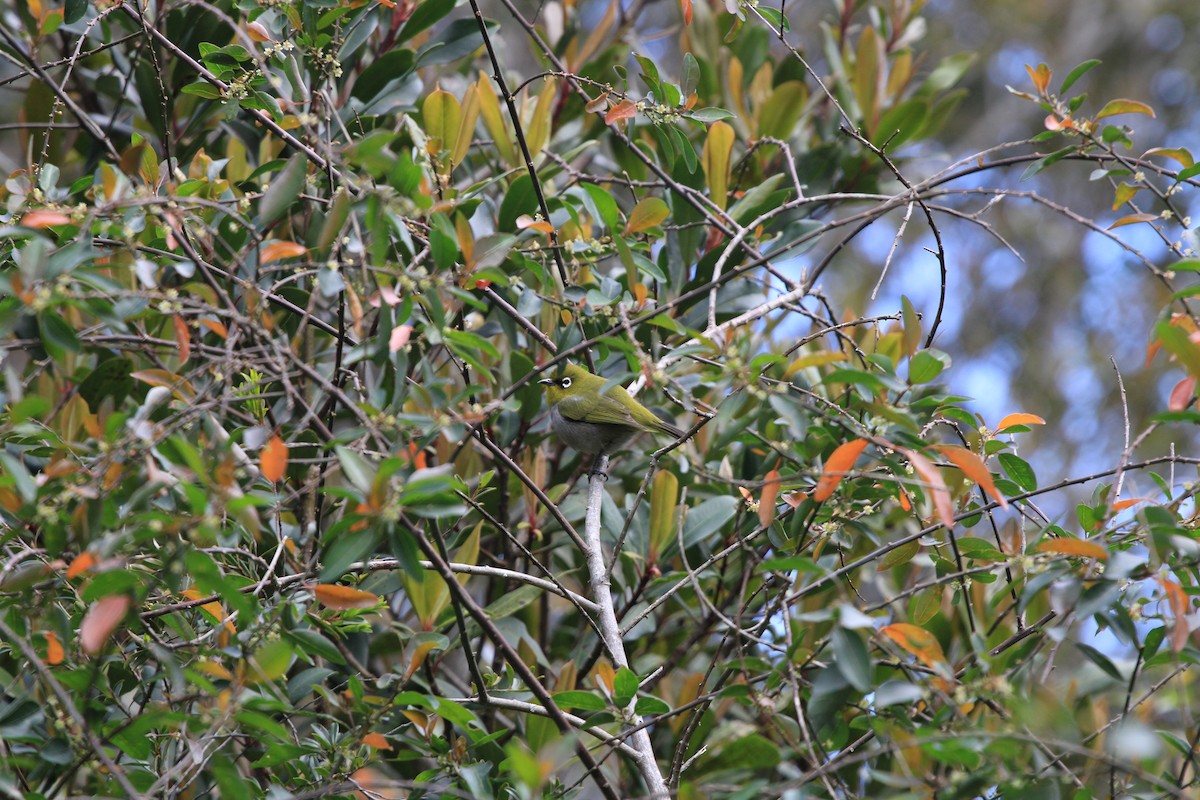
column 280, row 515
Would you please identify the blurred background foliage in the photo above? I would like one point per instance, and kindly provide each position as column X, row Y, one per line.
column 280, row 510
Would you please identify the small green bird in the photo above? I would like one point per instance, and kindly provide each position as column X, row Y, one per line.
column 592, row 420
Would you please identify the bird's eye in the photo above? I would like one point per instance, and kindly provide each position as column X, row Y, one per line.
column 565, row 383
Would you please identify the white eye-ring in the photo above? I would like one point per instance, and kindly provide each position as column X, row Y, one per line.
column 565, row 383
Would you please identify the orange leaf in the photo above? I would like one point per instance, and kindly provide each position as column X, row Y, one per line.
column 54, row 649
column 766, row 504
column 1183, row 394
column 258, row 32
column 1019, row 418
column 839, row 463
column 44, row 218
column 376, row 740
column 340, row 598
column 1073, row 547
column 1121, row 505
column 273, row 460
column 212, row 608
column 936, row 485
column 1178, row 601
column 101, row 620
column 1133, row 219
column 1039, row 76
column 183, row 338
column 216, row 327
column 525, row 221
column 81, row 564
column 160, row 377
column 974, row 468
column 916, row 640
column 795, row 499
column 626, row 109
column 277, row 250
column 687, row 11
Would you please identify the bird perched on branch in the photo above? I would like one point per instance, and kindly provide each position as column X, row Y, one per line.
column 593, row 419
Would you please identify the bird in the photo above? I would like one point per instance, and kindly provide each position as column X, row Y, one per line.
column 592, row 419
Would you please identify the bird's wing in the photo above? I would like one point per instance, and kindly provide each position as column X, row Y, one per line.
column 601, row 409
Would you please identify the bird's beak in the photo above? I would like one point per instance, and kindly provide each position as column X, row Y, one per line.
column 546, row 381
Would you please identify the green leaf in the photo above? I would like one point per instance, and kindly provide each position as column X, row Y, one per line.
column 1019, row 471
column 358, row 470
column 584, row 701
column 1077, row 73
column 650, row 706
column 710, row 115
column 625, row 686
column 753, row 752
column 979, row 550
column 707, row 519
column 74, row 10
column 927, row 365
column 1102, row 661
column 389, row 67
column 283, row 191
column 424, row 16
column 852, row 659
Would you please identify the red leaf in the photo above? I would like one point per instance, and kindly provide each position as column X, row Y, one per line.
column 1183, row 394
column 686, row 5
column 626, row 109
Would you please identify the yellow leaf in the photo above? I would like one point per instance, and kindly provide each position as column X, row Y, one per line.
column 1073, row 547
column 489, row 109
column 718, row 146
column 813, row 360
column 664, row 497
column 1114, row 107
column 1132, row 219
column 537, row 134
column 441, row 115
column 839, row 463
column 646, row 214
column 274, row 459
column 1178, row 154
column 466, row 126
column 974, row 468
column 341, row 598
